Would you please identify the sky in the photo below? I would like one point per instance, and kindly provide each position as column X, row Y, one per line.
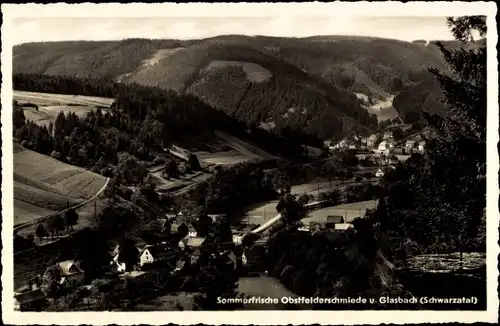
column 64, row 29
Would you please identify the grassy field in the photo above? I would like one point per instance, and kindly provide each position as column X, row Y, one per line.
column 61, row 99
column 222, row 158
column 43, row 185
column 255, row 72
column 348, row 211
column 159, row 55
column 49, row 105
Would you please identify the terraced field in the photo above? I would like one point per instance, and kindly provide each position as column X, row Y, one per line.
column 43, row 185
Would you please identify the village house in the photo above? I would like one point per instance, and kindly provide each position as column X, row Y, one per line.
column 372, row 140
column 329, row 144
column 385, row 146
column 120, row 266
column 70, row 273
column 342, row 226
column 421, row 146
column 332, row 220
column 388, row 135
column 217, row 217
column 409, row 145
column 153, row 254
column 32, row 300
column 381, row 172
column 192, row 231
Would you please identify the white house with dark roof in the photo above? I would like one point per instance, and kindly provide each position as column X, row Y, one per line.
column 380, row 173
column 70, row 273
column 152, row 254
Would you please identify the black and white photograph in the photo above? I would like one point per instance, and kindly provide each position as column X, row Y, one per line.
column 320, row 157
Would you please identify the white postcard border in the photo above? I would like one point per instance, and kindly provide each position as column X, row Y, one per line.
column 391, row 8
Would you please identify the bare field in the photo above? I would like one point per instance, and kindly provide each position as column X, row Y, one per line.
column 255, row 72
column 48, row 99
column 43, row 185
column 222, row 158
column 159, row 55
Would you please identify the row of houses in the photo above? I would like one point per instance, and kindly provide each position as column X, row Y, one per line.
column 381, row 143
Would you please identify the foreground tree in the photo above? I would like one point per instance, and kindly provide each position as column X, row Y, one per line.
column 444, row 194
column 70, row 218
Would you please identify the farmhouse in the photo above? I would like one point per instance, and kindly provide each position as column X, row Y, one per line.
column 70, row 273
column 188, row 157
column 152, row 254
column 32, row 300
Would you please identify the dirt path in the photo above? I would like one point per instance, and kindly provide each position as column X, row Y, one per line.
column 43, row 218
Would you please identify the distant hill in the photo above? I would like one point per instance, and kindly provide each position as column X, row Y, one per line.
column 268, row 82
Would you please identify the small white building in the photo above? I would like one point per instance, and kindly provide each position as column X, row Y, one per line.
column 342, row 226
column 409, row 145
column 421, row 146
column 379, row 173
column 385, row 146
column 152, row 254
